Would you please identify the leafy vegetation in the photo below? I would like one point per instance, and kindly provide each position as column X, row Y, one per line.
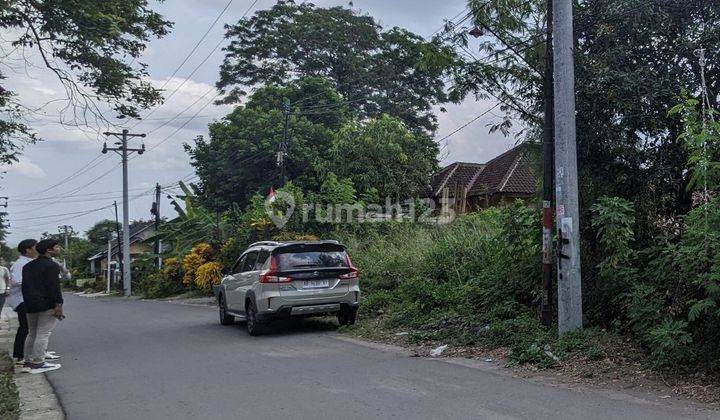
column 359, row 120
column 383, row 157
column 9, row 397
column 376, row 72
column 86, row 44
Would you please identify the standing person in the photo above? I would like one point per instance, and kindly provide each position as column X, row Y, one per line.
column 43, row 303
column 4, row 283
column 27, row 251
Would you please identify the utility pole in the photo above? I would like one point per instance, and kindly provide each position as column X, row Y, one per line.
column 155, row 210
column 64, row 229
column 119, row 241
column 123, row 150
column 548, row 173
column 108, row 261
column 282, row 152
column 566, row 174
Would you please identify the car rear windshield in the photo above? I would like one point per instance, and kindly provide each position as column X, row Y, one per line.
column 311, row 259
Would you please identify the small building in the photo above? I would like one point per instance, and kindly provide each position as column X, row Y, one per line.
column 466, row 186
column 138, row 246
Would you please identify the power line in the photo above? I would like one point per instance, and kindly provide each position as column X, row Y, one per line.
column 58, row 215
column 444, row 25
column 179, row 128
column 183, row 111
column 462, row 127
column 204, row 60
column 187, row 57
column 33, row 200
column 79, row 215
column 197, row 44
column 75, row 174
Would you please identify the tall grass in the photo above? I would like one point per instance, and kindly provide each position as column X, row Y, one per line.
column 480, row 271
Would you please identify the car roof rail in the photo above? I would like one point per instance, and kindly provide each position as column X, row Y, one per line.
column 264, row 243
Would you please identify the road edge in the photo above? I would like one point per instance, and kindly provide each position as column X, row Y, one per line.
column 38, row 400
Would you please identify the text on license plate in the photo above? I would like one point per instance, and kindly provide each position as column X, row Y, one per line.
column 315, row 284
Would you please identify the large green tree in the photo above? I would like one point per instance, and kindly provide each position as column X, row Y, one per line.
column 239, row 158
column 384, row 155
column 91, row 46
column 633, row 58
column 375, row 71
column 99, row 233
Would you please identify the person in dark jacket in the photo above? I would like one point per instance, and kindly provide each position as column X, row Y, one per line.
column 43, row 300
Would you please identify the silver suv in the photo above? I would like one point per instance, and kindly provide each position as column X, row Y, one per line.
column 272, row 280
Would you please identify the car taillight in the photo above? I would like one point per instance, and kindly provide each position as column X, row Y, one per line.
column 271, row 274
column 353, row 274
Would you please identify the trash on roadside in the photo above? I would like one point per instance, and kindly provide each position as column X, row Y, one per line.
column 550, row 354
column 402, row 333
column 437, row 351
column 489, row 360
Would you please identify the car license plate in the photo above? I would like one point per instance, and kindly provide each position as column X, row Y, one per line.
column 316, row 284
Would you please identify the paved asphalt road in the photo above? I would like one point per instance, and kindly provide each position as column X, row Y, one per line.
column 159, row 360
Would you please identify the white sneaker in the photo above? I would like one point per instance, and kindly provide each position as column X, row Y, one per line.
column 45, row 367
column 51, row 355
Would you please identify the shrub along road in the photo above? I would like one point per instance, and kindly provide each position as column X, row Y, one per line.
column 128, row 359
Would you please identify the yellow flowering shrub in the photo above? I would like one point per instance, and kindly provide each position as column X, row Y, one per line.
column 208, row 275
column 172, row 269
column 198, row 255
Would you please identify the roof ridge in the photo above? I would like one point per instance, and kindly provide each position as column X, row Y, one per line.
column 447, row 178
column 509, row 173
column 475, row 177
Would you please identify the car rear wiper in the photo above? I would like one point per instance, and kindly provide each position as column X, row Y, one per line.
column 304, row 265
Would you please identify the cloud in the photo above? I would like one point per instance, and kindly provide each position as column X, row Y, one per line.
column 26, row 168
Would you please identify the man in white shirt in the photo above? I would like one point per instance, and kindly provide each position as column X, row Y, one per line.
column 4, row 282
column 15, row 299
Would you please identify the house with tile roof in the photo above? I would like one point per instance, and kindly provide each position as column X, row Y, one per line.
column 467, row 186
column 139, row 246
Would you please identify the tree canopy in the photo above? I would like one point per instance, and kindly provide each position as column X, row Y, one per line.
column 374, row 71
column 92, row 47
column 102, row 231
column 633, row 58
column 239, row 158
column 383, row 154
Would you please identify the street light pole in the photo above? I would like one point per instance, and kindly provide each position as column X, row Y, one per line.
column 566, row 174
column 123, row 150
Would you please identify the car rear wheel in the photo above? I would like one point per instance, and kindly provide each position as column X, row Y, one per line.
column 254, row 327
column 347, row 316
column 225, row 318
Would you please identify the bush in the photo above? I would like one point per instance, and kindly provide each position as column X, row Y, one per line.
column 9, row 397
column 207, row 275
column 154, row 283
column 670, row 343
column 198, row 255
column 374, row 302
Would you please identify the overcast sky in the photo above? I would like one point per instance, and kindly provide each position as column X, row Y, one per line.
column 35, row 207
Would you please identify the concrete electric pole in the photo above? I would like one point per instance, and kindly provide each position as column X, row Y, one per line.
column 66, row 231
column 119, row 242
column 566, row 175
column 123, row 150
column 548, row 173
column 155, row 211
